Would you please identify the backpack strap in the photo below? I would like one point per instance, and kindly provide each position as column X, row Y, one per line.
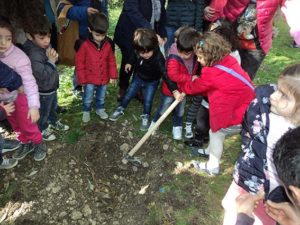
column 235, row 74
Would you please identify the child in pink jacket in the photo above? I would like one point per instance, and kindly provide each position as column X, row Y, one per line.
column 23, row 119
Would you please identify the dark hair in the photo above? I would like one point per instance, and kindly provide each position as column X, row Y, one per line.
column 187, row 39
column 213, row 47
column 286, row 157
column 177, row 32
column 290, row 78
column 39, row 26
column 144, row 40
column 98, row 22
column 227, row 31
column 5, row 23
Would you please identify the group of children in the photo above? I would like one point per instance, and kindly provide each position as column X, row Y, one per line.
column 205, row 66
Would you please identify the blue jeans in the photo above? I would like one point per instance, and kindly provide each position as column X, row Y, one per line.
column 178, row 112
column 88, row 95
column 47, row 110
column 148, row 88
column 170, row 35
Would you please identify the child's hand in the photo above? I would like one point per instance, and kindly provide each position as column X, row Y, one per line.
column 178, row 96
column 3, row 90
column 246, row 203
column 194, row 77
column 9, row 108
column 113, row 82
column 52, row 55
column 127, row 68
column 161, row 41
column 33, row 115
column 209, row 12
column 91, row 10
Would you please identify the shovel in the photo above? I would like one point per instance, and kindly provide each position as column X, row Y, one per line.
column 129, row 156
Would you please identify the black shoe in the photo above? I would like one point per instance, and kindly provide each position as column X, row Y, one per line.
column 200, row 152
column 194, row 142
column 10, row 145
column 24, row 150
column 40, row 151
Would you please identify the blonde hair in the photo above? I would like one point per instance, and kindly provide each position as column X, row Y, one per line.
column 290, row 78
column 213, row 47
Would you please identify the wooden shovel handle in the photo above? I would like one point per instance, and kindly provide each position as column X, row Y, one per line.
column 150, row 131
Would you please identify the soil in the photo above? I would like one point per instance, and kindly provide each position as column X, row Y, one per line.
column 86, row 183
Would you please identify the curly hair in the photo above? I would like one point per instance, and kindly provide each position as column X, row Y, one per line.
column 213, row 47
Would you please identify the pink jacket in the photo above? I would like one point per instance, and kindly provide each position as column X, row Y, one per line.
column 266, row 10
column 19, row 62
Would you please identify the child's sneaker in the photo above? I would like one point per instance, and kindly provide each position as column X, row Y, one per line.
column 177, row 133
column 202, row 167
column 24, row 150
column 145, row 120
column 86, row 117
column 48, row 135
column 117, row 114
column 10, row 145
column 188, row 130
column 8, row 163
column 101, row 112
column 59, row 126
column 150, row 127
column 40, row 151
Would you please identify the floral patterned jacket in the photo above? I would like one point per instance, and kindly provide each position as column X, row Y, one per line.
column 251, row 170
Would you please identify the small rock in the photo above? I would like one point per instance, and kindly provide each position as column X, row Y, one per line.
column 134, row 168
column 49, row 151
column 86, row 210
column 165, row 147
column 180, row 146
column 56, row 189
column 124, row 147
column 62, row 214
column 76, row 215
column 145, row 164
column 76, row 170
column 39, row 212
column 45, row 211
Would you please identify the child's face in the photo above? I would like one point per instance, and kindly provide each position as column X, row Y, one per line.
column 282, row 102
column 5, row 40
column 201, row 59
column 43, row 41
column 97, row 37
column 146, row 55
column 185, row 55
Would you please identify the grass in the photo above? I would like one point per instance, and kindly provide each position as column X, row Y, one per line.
column 278, row 58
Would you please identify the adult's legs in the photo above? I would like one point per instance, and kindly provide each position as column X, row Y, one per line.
column 124, row 77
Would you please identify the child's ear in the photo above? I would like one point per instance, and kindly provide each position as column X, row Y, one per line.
column 29, row 37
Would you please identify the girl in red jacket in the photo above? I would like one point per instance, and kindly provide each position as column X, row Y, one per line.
column 96, row 66
column 229, row 91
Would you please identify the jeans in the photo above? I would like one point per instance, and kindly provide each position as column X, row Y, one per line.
column 47, row 110
column 178, row 112
column 1, row 147
column 88, row 95
column 170, row 35
column 148, row 87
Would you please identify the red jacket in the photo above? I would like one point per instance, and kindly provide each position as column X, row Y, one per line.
column 228, row 96
column 95, row 65
column 266, row 10
column 177, row 72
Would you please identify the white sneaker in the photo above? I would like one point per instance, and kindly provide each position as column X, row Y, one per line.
column 150, row 127
column 101, row 112
column 188, row 130
column 177, row 133
column 86, row 117
column 48, row 135
column 145, row 120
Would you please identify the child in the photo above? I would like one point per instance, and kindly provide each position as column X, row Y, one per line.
column 229, row 91
column 149, row 67
column 273, row 112
column 96, row 66
column 43, row 59
column 9, row 81
column 23, row 119
column 199, row 105
column 181, row 65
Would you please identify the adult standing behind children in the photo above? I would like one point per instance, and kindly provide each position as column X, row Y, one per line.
column 43, row 58
column 96, row 65
column 256, row 40
column 137, row 14
column 183, row 13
